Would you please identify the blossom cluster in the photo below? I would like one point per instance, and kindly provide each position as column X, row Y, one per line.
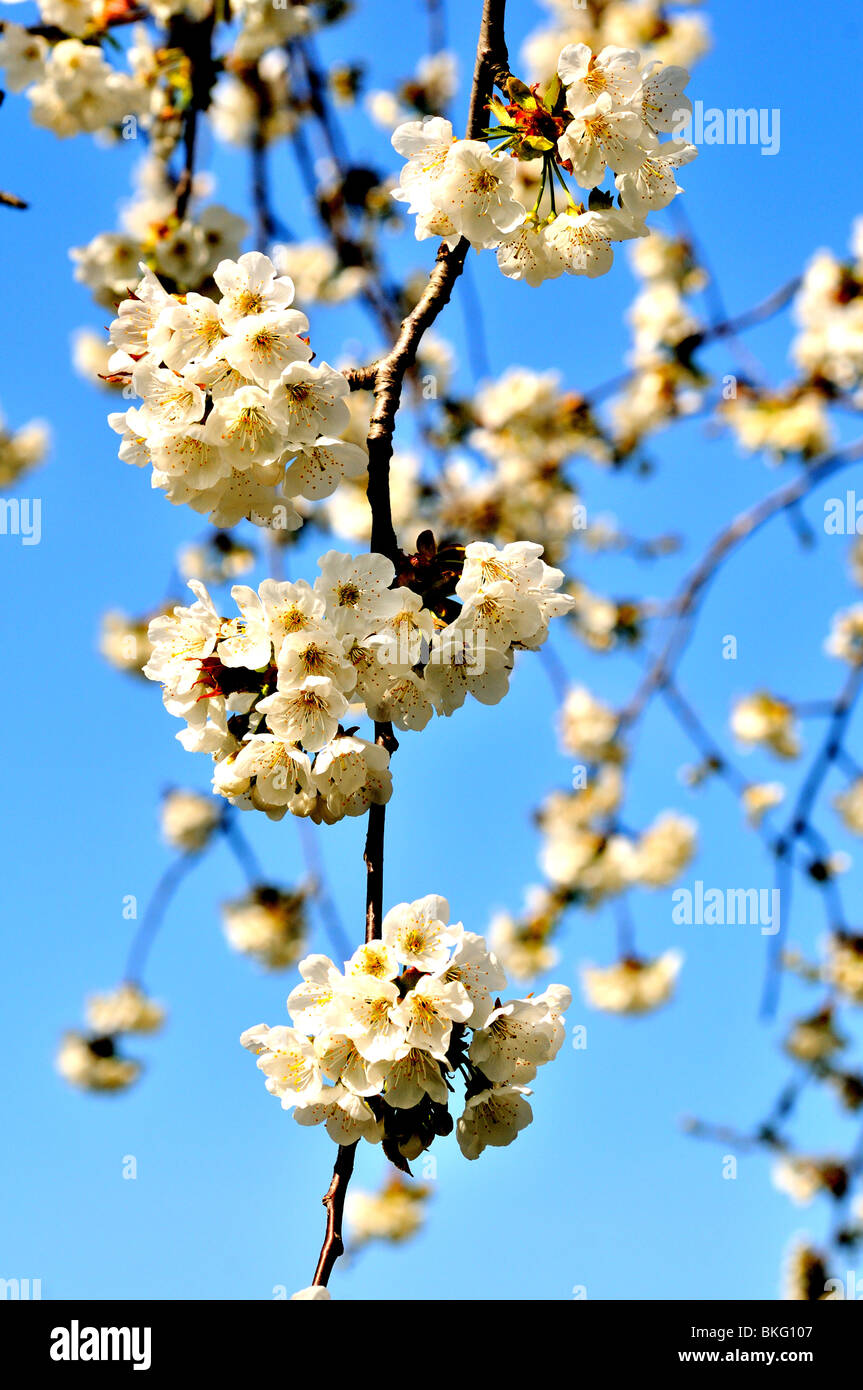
column 91, row 1060
column 267, row 693
column 371, row 1048
column 235, row 420
column 603, row 112
column 70, row 85
column 189, row 820
column 21, row 450
column 74, row 89
column 670, row 33
column 588, row 859
column 268, row 924
column 395, row 1213
column 184, row 252
column 632, row 985
column 829, row 310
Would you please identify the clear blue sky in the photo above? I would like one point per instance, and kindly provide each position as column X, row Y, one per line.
column 603, row 1190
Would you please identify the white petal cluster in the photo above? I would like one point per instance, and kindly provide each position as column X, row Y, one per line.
column 829, row 310
column 845, row 640
column 660, row 31
column 395, row 1213
column 268, row 693
column 188, row 819
column 616, row 107
column 126, row 1009
column 91, row 1060
column 372, row 1047
column 632, row 986
column 94, row 1065
column 183, row 252
column 267, row 924
column 21, row 450
column 234, row 419
column 764, row 720
column 70, row 85
column 588, row 864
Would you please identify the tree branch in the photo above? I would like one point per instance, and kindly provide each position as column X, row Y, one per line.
column 334, row 1201
column 389, row 375
column 745, row 525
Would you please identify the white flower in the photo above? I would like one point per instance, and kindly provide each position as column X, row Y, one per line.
column 650, row 184
column 598, row 136
column 475, row 191
column 22, row 56
column 289, row 607
column 245, row 641
column 529, row 253
column 181, row 641
column 315, row 1293
column 632, row 986
column 373, row 958
column 309, row 402
column 764, row 719
column 189, row 456
column 405, row 634
column 341, row 1062
column 849, row 804
column 250, row 286
column 664, row 850
column 357, row 590
column 246, row 427
column 587, row 725
column 247, row 492
column 586, row 75
column 188, row 819
column 132, row 428
column 308, row 715
column 347, row 1117
column 501, row 612
column 263, row 346
column 457, row 669
column 428, row 1011
column 846, row 636
column 479, row 971
column 94, row 1065
column 799, row 1177
column 395, row 1213
column 171, row 400
column 661, row 101
column 196, row 330
column 556, row 999
column 413, row 1073
column 582, row 241
column 418, row 932
column 366, row 1014
column 425, row 144
column 288, row 1060
column 352, row 774
column 403, row 700
column 316, row 651
column 268, row 925
column 515, row 1040
column 493, row 1117
column 275, row 774
column 312, row 1005
column 319, row 468
column 759, row 798
column 126, row 1009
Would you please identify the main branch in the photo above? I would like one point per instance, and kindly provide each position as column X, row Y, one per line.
column 387, row 381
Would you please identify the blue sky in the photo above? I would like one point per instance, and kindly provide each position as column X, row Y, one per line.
column 603, row 1191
